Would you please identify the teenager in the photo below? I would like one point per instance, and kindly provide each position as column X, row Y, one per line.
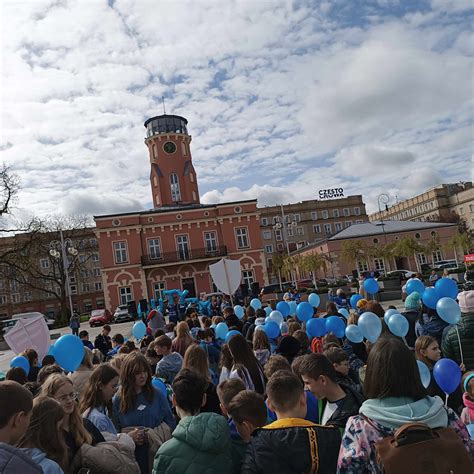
column 44, row 439
column 183, row 338
column 16, row 404
column 81, row 375
column 138, row 406
column 170, row 363
column 103, row 341
column 32, row 357
column 117, row 342
column 261, row 346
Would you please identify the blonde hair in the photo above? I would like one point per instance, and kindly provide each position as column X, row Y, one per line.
column 76, row 424
column 117, row 362
column 195, row 359
column 260, row 341
column 87, row 359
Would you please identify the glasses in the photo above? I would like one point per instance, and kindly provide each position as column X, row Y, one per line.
column 68, row 396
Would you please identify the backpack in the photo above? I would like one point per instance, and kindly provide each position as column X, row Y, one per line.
column 415, row 447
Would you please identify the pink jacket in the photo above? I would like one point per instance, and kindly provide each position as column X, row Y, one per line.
column 467, row 415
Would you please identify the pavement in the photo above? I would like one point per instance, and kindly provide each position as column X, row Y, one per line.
column 125, row 329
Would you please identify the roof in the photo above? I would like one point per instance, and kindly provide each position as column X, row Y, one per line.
column 164, row 116
column 388, row 227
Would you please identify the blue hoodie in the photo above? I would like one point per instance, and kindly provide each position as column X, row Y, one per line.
column 48, row 465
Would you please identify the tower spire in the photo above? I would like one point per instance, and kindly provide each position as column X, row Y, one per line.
column 163, row 101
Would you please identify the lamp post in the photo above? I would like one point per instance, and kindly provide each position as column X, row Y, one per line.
column 384, row 199
column 283, row 227
column 59, row 249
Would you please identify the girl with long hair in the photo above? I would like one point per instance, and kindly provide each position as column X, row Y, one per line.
column 76, row 430
column 246, row 366
column 225, row 363
column 44, row 438
column 80, row 376
column 196, row 360
column 183, row 338
column 96, row 401
column 261, row 346
column 138, row 405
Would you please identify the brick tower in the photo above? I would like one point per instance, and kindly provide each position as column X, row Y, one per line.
column 172, row 177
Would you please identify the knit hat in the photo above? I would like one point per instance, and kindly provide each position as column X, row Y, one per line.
column 413, row 302
column 466, row 301
column 361, row 303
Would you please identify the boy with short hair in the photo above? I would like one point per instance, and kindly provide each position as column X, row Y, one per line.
column 336, row 402
column 170, row 363
column 226, row 391
column 16, row 404
column 201, row 441
column 340, row 361
column 291, row 444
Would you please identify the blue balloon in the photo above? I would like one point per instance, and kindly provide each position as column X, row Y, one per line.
column 389, row 313
column 284, row 308
column 398, row 325
column 354, row 334
column 370, row 326
column 221, row 330
column 430, row 297
column 293, row 305
column 344, row 312
column 268, row 310
column 139, row 330
column 69, row 352
column 304, row 311
column 371, row 286
column 51, row 350
column 272, row 329
column 447, row 288
column 314, row 300
column 276, row 316
column 447, row 375
column 231, row 334
column 316, row 327
column 159, row 385
column 336, row 325
column 22, row 362
column 425, row 375
column 239, row 311
column 448, row 310
column 354, row 299
column 414, row 285
column 256, row 304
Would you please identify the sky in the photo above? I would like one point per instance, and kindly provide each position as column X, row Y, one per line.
column 283, row 98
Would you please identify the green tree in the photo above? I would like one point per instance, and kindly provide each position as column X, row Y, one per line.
column 460, row 242
column 353, row 251
column 407, row 247
column 312, row 263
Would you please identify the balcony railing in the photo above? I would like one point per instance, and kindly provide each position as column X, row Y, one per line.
column 184, row 255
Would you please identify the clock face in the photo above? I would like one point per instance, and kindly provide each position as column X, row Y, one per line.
column 169, row 147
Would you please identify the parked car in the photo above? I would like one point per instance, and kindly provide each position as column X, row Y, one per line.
column 448, row 265
column 8, row 324
column 122, row 315
column 401, row 274
column 307, row 283
column 99, row 317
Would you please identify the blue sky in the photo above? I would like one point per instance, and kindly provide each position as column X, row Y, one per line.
column 283, row 98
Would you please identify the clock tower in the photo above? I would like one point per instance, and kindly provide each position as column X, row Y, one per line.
column 172, row 176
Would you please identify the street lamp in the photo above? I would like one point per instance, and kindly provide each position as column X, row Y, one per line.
column 59, row 249
column 384, row 199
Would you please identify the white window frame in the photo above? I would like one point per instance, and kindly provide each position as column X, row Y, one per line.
column 379, row 264
column 269, row 248
column 183, row 248
column 242, row 237
column 437, row 256
column 154, row 248
column 86, row 287
column 3, row 299
column 125, row 294
column 267, row 235
column 297, row 217
column 314, row 215
column 120, row 249
column 247, row 278
column 335, row 213
column 362, row 266
column 290, row 231
column 357, row 211
column 421, row 257
column 263, row 221
column 300, row 230
column 210, row 241
column 346, row 211
column 15, row 297
column 338, row 226
column 158, row 288
column 97, row 272
column 317, row 228
column 326, row 228
column 98, row 286
column 44, row 263
column 174, row 187
column 278, row 235
column 95, row 257
column 325, row 214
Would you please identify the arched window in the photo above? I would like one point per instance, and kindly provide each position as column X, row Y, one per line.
column 175, row 192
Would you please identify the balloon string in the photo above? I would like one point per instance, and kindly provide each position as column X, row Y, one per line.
column 460, row 346
column 405, row 341
column 446, row 401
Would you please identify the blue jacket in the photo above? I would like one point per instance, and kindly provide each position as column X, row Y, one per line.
column 15, row 461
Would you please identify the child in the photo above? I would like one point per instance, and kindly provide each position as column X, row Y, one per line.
column 467, row 415
column 170, row 363
column 201, row 441
column 291, row 444
column 226, row 391
column 261, row 346
column 340, row 361
column 44, row 439
column 206, row 336
column 16, row 403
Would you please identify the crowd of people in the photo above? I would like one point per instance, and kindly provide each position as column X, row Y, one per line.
column 181, row 400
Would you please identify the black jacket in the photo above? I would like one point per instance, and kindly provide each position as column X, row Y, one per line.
column 250, row 322
column 103, row 343
column 412, row 318
column 284, row 447
column 233, row 321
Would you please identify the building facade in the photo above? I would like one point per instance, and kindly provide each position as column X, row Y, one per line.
column 172, row 245
column 436, row 204
column 289, row 227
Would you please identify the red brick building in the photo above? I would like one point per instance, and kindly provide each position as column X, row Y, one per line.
column 171, row 246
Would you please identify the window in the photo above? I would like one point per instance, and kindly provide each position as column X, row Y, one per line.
column 290, row 231
column 98, row 286
column 182, row 247
column 154, row 249
column 125, row 294
column 314, row 215
column 325, row 214
column 3, row 299
column 379, row 264
column 461, row 210
column 297, row 217
column 73, row 289
column 267, row 235
column 346, row 211
column 421, row 258
column 15, row 298
column 362, row 266
column 120, row 252
column 95, row 257
column 175, row 191
column 86, row 287
column 335, row 213
column 247, row 277
column 338, row 226
column 280, row 247
column 269, row 248
column 97, row 272
column 158, row 288
column 13, row 285
column 263, row 221
column 357, row 211
column 317, row 229
column 72, row 278
column 82, row 258
column 210, row 241
column 328, row 229
column 93, row 242
column 299, row 231
column 242, row 238
column 278, row 234
column 437, row 256
column 44, row 263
